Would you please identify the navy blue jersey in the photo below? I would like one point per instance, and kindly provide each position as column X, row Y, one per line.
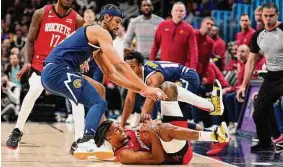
column 73, row 51
column 171, row 71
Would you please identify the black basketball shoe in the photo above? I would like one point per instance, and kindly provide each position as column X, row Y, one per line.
column 14, row 139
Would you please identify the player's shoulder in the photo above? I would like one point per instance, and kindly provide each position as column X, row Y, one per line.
column 39, row 12
column 97, row 30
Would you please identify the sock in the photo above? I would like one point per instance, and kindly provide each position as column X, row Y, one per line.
column 206, row 136
column 33, row 93
column 188, row 97
column 79, row 119
column 170, row 108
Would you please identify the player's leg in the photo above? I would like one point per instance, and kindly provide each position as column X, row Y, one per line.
column 185, row 94
column 79, row 114
column 87, row 147
column 61, row 80
column 34, row 92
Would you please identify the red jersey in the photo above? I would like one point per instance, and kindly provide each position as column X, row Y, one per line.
column 53, row 30
column 134, row 143
column 177, row 43
column 205, row 46
column 245, row 37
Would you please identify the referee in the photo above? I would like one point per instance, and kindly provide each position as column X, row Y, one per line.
column 269, row 41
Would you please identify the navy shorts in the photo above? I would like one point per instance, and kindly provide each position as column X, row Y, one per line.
column 190, row 81
column 62, row 80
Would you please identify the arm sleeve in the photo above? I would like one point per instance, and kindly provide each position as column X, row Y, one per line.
column 192, row 54
column 130, row 35
column 254, row 48
column 156, row 43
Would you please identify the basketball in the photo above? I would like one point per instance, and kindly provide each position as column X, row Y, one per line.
column 144, row 135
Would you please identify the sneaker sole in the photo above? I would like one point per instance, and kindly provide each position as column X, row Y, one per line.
column 97, row 155
column 12, row 148
column 221, row 100
column 220, row 150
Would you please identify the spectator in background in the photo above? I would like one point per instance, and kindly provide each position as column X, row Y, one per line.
column 4, row 57
column 233, row 107
column 218, row 49
column 86, row 4
column 118, row 42
column 10, row 99
column 130, row 9
column 258, row 18
column 176, row 39
column 231, row 56
column 19, row 40
column 205, row 45
column 15, row 50
column 25, row 28
column 143, row 29
column 205, row 7
column 13, row 68
column 244, row 37
column 89, row 17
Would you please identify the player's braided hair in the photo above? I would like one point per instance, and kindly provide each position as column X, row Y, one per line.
column 135, row 55
column 109, row 6
column 100, row 135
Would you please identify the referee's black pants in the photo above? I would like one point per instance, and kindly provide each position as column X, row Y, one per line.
column 264, row 117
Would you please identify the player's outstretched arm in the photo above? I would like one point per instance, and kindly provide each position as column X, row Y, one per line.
column 128, row 107
column 97, row 34
column 110, row 72
column 34, row 28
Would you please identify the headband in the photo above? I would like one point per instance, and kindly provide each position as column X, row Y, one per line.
column 112, row 12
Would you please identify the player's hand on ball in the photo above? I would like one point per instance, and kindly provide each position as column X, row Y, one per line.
column 25, row 69
column 145, row 117
column 154, row 93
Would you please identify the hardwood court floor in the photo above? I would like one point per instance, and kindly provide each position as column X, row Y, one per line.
column 47, row 145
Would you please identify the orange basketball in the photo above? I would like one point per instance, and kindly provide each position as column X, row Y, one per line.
column 145, row 136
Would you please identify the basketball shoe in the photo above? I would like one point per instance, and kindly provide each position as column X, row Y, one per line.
column 87, row 149
column 217, row 98
column 14, row 139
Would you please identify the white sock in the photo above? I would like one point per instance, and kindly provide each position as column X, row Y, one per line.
column 188, row 97
column 170, row 108
column 79, row 119
column 34, row 92
column 206, row 136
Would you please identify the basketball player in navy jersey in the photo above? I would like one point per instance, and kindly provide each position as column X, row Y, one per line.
column 166, row 74
column 59, row 75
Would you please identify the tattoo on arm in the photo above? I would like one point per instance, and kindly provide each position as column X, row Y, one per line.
column 37, row 18
column 80, row 21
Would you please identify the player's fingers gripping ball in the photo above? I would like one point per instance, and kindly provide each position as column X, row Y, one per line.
column 144, row 134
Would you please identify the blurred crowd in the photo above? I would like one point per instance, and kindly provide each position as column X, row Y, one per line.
column 141, row 29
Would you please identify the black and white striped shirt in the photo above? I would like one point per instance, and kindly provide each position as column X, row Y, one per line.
column 270, row 42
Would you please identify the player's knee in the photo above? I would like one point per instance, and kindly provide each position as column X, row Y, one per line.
column 170, row 89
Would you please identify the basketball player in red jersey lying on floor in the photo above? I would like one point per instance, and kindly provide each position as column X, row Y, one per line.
column 155, row 143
